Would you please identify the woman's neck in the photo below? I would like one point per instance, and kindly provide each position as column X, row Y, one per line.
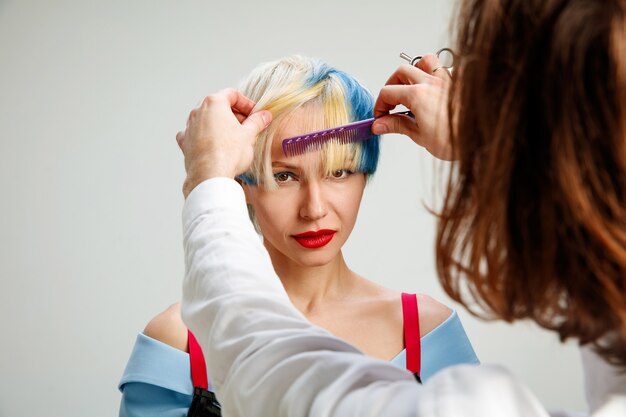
column 311, row 287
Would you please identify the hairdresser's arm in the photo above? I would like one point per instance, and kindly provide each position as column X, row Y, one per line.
column 426, row 94
column 264, row 357
column 267, row 360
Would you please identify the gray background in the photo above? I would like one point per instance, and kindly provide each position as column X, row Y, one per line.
column 91, row 96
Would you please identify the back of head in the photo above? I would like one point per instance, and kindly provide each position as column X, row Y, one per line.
column 297, row 82
column 535, row 215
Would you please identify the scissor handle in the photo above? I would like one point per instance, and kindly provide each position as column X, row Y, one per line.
column 411, row 60
column 414, row 60
column 452, row 56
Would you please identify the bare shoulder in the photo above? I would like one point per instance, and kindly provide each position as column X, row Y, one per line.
column 378, row 304
column 168, row 327
column 431, row 313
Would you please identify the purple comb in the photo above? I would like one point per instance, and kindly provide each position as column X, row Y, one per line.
column 349, row 133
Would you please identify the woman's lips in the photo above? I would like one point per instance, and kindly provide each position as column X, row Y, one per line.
column 315, row 239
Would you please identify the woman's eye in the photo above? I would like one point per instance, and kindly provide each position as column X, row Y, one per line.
column 341, row 173
column 282, row 177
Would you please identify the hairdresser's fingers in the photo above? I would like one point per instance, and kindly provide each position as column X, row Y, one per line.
column 408, row 74
column 240, row 117
column 428, row 102
column 240, row 105
column 238, row 102
column 180, row 137
column 430, row 64
column 402, row 124
column 257, row 122
column 391, row 96
column 431, row 135
column 192, row 114
column 401, row 91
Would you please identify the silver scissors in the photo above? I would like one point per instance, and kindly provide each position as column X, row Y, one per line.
column 445, row 56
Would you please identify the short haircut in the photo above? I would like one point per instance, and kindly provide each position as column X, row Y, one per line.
column 299, row 82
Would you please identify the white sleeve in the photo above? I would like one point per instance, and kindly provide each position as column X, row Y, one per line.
column 266, row 359
column 604, row 383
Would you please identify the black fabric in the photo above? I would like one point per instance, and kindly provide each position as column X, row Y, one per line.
column 417, row 378
column 204, row 404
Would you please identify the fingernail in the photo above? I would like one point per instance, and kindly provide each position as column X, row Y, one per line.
column 379, row 128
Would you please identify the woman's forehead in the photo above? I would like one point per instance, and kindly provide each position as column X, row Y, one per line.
column 303, row 120
column 311, row 117
column 307, row 160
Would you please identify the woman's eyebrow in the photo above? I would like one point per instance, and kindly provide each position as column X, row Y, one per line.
column 284, row 165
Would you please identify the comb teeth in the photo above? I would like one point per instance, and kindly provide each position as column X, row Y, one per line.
column 350, row 133
column 310, row 142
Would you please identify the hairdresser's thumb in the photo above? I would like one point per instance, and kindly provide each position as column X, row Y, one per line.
column 404, row 125
column 257, row 122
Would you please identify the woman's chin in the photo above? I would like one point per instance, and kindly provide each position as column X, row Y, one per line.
column 313, row 260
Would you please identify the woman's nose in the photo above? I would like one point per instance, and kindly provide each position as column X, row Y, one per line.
column 313, row 205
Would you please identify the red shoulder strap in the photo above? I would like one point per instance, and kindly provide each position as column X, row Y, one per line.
column 411, row 333
column 198, row 366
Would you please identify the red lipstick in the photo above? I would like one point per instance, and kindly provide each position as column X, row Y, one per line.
column 315, row 239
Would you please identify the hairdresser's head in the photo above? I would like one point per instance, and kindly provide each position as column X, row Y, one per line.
column 535, row 215
column 319, row 190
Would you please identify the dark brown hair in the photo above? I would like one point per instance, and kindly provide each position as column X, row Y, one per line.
column 534, row 221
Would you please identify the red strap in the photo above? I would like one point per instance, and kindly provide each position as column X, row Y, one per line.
column 196, row 360
column 411, row 333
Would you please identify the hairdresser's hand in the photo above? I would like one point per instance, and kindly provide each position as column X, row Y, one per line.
column 219, row 138
column 425, row 93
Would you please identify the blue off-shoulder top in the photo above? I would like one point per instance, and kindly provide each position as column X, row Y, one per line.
column 157, row 378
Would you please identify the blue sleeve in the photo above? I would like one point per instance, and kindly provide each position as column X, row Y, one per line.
column 143, row 400
column 445, row 346
column 156, row 381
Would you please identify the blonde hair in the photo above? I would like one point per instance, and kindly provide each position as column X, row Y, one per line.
column 298, row 82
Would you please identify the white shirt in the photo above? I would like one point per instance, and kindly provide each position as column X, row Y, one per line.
column 605, row 385
column 266, row 359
